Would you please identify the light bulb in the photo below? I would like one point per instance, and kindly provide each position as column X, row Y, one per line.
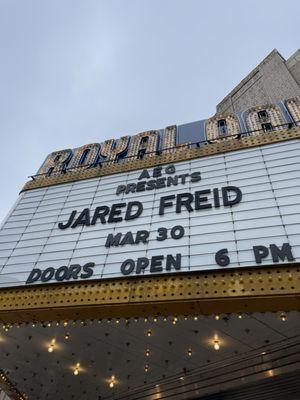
column 149, row 332
column 216, row 345
column 112, row 381
column 283, row 317
column 146, row 368
column 51, row 347
column 147, row 352
column 67, row 336
column 217, row 317
column 76, row 370
column 189, row 352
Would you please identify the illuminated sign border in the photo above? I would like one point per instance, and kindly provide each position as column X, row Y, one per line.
column 221, row 127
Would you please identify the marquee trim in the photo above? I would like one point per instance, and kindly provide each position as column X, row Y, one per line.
column 263, row 289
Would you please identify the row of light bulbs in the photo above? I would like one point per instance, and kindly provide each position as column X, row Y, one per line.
column 67, row 336
column 4, row 378
column 282, row 316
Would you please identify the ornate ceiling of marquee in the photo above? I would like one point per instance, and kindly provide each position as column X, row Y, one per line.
column 130, row 359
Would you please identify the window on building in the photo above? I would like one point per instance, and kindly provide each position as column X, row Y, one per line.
column 262, row 115
column 57, row 158
column 222, row 127
column 84, row 156
column 267, row 127
column 50, row 170
column 144, row 139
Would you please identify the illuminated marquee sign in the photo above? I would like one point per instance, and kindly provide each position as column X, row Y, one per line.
column 231, row 210
column 174, row 138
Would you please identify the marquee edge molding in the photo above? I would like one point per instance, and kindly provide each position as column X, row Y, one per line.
column 245, row 290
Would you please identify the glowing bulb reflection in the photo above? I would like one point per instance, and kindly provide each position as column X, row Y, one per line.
column 216, row 345
column 112, row 381
column 76, row 370
column 52, row 345
column 283, row 317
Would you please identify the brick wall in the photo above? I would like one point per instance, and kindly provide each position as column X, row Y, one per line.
column 293, row 65
column 269, row 82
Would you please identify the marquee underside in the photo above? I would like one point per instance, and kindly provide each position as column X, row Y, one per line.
column 148, row 358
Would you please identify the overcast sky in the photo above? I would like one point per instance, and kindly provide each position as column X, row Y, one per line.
column 75, row 72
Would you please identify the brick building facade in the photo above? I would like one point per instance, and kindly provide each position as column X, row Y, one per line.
column 272, row 80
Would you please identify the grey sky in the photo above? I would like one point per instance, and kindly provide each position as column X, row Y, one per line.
column 76, row 72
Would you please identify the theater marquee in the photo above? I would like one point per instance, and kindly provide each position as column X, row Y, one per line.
column 231, row 210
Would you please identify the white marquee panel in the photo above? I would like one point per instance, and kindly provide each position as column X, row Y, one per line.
column 269, row 212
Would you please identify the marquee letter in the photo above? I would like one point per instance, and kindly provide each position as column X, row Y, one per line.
column 34, row 276
column 113, row 149
column 260, row 252
column 230, row 202
column 55, row 162
column 284, row 253
column 163, row 203
column 83, row 219
column 71, row 219
column 130, row 214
